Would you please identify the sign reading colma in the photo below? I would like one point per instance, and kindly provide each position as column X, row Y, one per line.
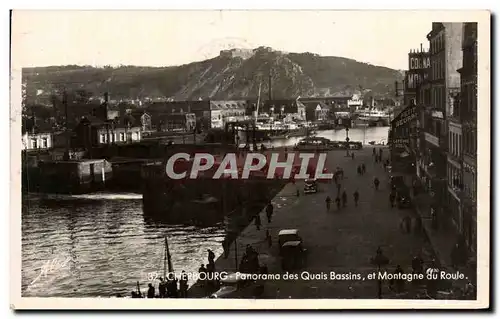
column 419, row 63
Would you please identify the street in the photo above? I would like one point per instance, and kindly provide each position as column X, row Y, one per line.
column 341, row 241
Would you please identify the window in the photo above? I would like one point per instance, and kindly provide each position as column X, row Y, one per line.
column 122, row 137
column 103, row 138
column 459, row 145
column 34, row 143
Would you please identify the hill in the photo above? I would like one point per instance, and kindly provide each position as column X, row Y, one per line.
column 233, row 74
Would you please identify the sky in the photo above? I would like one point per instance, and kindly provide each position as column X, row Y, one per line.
column 165, row 38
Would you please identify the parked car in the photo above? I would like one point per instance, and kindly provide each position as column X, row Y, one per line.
column 310, row 186
column 288, row 235
column 293, row 254
column 403, row 198
column 234, row 286
column 397, row 182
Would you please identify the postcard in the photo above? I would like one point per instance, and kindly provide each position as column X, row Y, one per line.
column 250, row 159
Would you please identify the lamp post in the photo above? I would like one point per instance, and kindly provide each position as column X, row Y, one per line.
column 347, row 140
column 379, row 260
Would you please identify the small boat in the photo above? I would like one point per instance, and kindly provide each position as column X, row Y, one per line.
column 167, row 263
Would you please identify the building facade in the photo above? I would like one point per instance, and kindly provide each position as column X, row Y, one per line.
column 468, row 120
column 437, row 96
column 37, row 141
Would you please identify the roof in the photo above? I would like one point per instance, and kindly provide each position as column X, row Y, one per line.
column 291, row 243
column 288, row 232
column 228, row 105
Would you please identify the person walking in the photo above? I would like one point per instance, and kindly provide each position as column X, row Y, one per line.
column 258, row 222
column 269, row 239
column 344, row 199
column 392, row 197
column 328, row 202
column 352, row 155
column 376, row 182
column 337, row 200
column 356, row 198
column 269, row 212
column 363, row 169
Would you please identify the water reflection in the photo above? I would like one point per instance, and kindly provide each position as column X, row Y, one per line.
column 111, row 243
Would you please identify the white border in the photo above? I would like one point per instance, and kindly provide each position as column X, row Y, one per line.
column 483, row 197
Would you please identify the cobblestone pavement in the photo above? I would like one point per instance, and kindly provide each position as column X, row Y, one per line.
column 341, row 241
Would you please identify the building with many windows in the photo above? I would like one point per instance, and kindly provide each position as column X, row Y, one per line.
column 442, row 87
column 467, row 113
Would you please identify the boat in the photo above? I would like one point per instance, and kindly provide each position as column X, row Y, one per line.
column 167, row 266
column 371, row 115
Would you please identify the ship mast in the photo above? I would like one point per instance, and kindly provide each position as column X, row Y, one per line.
column 258, row 103
column 167, row 260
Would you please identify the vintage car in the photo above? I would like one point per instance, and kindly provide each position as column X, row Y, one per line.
column 403, row 198
column 237, row 286
column 310, row 186
column 286, row 235
column 293, row 255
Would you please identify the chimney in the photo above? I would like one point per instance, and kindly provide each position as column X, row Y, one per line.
column 105, row 106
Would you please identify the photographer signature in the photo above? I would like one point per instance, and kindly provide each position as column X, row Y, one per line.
column 52, row 265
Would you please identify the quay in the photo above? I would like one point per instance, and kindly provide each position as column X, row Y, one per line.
column 341, row 241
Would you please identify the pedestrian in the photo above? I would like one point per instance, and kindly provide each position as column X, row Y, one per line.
column 337, row 200
column 344, row 198
column 352, row 155
column 211, row 256
column 380, row 153
column 376, row 182
column 374, row 151
column 363, row 169
column 406, row 224
column 258, row 222
column 335, row 178
column 356, row 198
column 225, row 246
column 270, row 210
column 417, row 264
column 183, row 285
column 151, row 291
column 269, row 238
column 162, row 289
column 400, row 284
column 328, row 203
column 392, row 197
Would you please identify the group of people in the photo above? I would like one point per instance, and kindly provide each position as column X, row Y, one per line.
column 269, row 215
column 174, row 288
column 249, row 262
column 208, row 285
column 377, row 155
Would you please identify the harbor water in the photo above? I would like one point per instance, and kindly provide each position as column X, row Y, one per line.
column 101, row 244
